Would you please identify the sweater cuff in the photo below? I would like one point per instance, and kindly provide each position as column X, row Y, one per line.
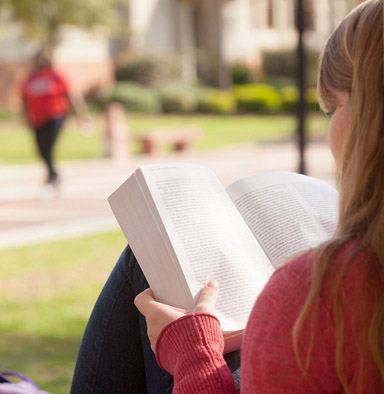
column 188, row 337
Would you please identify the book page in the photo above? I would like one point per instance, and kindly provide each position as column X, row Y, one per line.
column 209, row 237
column 288, row 213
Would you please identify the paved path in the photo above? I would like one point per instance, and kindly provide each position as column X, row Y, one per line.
column 81, row 207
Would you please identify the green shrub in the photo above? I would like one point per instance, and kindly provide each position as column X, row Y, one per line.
column 290, row 97
column 216, row 101
column 148, row 70
column 284, row 64
column 98, row 99
column 311, row 99
column 257, row 98
column 135, row 98
column 179, row 98
column 241, row 75
column 279, row 82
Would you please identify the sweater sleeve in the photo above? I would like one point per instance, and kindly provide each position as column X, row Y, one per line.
column 191, row 349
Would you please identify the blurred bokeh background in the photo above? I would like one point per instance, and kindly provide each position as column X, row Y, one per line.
column 210, row 81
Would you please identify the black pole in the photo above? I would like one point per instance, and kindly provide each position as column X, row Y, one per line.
column 301, row 110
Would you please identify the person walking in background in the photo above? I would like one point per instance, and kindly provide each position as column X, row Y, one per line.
column 47, row 98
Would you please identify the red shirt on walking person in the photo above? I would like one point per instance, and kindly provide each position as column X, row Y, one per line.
column 45, row 95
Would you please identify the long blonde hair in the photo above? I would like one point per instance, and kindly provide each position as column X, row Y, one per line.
column 353, row 61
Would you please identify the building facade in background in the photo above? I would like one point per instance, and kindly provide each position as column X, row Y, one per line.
column 227, row 31
column 206, row 35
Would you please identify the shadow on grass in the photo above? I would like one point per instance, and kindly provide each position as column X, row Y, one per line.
column 48, row 361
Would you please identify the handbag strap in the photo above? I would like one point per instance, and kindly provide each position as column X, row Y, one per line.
column 18, row 375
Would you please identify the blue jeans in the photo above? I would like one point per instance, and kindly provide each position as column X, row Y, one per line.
column 115, row 354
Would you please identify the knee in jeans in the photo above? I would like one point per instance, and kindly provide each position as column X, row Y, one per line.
column 132, row 271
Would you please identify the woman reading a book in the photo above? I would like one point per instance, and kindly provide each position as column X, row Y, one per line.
column 318, row 325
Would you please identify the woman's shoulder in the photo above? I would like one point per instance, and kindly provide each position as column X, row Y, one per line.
column 289, row 285
column 268, row 347
column 296, row 270
column 292, row 281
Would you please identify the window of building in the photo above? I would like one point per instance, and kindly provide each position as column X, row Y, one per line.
column 262, row 14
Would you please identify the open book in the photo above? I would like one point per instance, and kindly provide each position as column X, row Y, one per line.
column 185, row 229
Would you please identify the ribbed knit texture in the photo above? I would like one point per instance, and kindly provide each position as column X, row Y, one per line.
column 192, row 350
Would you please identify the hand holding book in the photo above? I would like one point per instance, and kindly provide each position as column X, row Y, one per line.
column 159, row 315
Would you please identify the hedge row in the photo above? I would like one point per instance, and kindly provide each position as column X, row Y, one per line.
column 175, row 98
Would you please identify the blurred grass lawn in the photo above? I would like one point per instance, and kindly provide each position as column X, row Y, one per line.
column 47, row 292
column 16, row 146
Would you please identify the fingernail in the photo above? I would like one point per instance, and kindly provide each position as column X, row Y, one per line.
column 213, row 283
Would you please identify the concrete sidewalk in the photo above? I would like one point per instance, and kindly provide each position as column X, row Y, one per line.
column 81, row 206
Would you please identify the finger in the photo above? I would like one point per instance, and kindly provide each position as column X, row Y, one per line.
column 208, row 298
column 144, row 300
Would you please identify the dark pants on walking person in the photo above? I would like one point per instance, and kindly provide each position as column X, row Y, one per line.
column 46, row 135
column 115, row 354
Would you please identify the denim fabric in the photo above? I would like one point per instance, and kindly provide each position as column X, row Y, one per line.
column 115, row 354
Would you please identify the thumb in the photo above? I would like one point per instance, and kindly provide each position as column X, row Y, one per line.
column 208, row 298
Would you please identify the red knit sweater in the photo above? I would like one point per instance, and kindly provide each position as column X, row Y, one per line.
column 191, row 348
